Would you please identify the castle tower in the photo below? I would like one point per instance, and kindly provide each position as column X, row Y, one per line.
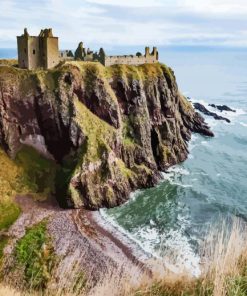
column 155, row 53
column 38, row 51
column 147, row 51
column 80, row 52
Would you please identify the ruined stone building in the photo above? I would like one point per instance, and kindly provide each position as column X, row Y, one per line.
column 138, row 59
column 42, row 52
column 83, row 54
column 87, row 55
column 66, row 54
column 38, row 51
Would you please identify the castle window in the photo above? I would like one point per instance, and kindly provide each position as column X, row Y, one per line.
column 34, row 51
column 25, row 50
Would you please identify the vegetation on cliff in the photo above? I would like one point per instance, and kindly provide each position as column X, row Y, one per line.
column 105, row 131
column 87, row 135
column 28, row 173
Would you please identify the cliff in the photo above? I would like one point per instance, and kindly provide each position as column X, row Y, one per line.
column 104, row 131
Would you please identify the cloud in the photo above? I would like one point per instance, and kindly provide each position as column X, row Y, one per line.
column 128, row 23
column 215, row 7
column 129, row 3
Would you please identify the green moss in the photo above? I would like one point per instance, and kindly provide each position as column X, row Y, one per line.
column 9, row 212
column 141, row 72
column 35, row 253
column 38, row 172
column 98, row 132
column 186, row 105
column 166, row 152
column 28, row 173
column 128, row 132
column 11, row 183
column 124, row 170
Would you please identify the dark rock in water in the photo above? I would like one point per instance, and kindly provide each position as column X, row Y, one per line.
column 222, row 108
column 205, row 111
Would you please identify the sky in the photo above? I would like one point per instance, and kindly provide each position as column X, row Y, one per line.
column 115, row 23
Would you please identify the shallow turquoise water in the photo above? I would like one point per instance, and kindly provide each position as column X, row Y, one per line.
column 212, row 184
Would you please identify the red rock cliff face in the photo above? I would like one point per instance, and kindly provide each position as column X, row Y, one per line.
column 110, row 130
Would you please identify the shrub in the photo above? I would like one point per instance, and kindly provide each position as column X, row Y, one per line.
column 34, row 251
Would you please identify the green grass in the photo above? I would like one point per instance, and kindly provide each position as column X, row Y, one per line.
column 35, row 253
column 29, row 173
column 9, row 212
column 38, row 172
column 141, row 72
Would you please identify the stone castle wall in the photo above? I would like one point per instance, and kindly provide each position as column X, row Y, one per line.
column 34, row 52
column 38, row 51
column 138, row 59
column 42, row 52
column 52, row 54
column 129, row 60
column 22, row 45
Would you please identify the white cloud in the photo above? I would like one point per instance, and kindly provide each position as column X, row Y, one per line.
column 130, row 3
column 215, row 7
column 129, row 22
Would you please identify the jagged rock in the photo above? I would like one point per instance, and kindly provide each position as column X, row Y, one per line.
column 205, row 111
column 110, row 130
column 222, row 108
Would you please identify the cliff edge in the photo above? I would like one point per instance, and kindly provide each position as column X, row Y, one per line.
column 105, row 131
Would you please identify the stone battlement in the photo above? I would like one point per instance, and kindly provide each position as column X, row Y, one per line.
column 42, row 52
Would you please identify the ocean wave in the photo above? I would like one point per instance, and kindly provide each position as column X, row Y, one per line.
column 177, row 250
column 178, row 170
column 173, row 172
column 172, row 248
column 110, row 223
column 205, row 143
column 243, row 124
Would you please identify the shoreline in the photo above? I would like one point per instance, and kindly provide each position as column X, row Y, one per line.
column 129, row 248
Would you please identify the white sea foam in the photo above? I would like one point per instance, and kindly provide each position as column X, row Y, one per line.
column 178, row 249
column 123, row 235
column 193, row 142
column 172, row 248
column 205, row 143
column 243, row 124
column 177, row 169
column 172, row 173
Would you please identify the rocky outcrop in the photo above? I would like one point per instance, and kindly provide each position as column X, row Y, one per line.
column 110, row 130
column 222, row 108
column 205, row 111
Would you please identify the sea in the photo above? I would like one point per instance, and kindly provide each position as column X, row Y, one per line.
column 174, row 217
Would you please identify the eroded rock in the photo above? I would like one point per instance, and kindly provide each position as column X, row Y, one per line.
column 111, row 130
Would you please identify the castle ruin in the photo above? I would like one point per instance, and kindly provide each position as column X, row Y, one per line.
column 43, row 52
column 87, row 55
column 38, row 51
